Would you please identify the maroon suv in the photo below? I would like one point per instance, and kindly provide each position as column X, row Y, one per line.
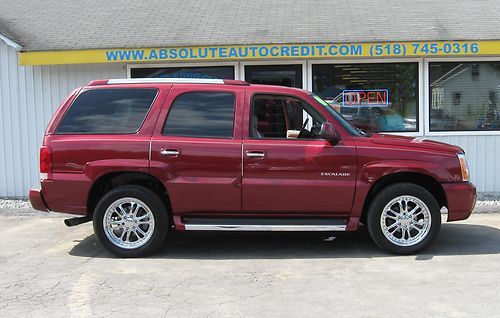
column 141, row 157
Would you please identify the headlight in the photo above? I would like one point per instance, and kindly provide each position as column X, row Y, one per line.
column 464, row 168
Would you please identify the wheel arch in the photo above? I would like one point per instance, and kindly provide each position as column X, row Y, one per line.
column 109, row 181
column 425, row 181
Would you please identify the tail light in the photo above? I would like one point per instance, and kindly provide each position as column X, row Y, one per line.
column 464, row 167
column 45, row 163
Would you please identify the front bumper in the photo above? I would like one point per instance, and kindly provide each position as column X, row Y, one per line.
column 461, row 198
column 37, row 201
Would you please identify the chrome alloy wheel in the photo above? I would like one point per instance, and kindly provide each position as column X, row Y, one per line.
column 405, row 220
column 128, row 223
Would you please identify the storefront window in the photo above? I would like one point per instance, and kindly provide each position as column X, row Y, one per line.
column 378, row 97
column 283, row 75
column 222, row 72
column 464, row 96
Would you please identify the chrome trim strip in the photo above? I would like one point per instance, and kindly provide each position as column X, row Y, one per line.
column 165, row 80
column 150, row 150
column 243, row 227
column 242, row 161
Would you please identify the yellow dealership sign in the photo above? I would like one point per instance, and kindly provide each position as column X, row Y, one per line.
column 264, row 52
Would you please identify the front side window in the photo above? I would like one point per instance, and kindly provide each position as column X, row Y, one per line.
column 378, row 97
column 464, row 96
column 107, row 111
column 201, row 114
column 283, row 117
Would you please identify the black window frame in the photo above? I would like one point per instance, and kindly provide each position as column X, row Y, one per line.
column 57, row 132
column 256, row 94
column 201, row 137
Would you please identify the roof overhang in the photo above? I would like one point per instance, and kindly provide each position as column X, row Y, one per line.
column 10, row 42
column 265, row 52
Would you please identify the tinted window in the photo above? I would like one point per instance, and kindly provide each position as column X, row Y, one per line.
column 102, row 111
column 283, row 75
column 464, row 96
column 201, row 114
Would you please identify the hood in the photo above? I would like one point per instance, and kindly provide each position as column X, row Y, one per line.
column 414, row 142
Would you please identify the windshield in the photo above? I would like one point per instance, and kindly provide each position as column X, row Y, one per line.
column 341, row 120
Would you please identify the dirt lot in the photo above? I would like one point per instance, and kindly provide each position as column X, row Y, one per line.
column 50, row 270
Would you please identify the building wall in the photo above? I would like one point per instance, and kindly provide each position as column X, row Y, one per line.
column 482, row 157
column 28, row 97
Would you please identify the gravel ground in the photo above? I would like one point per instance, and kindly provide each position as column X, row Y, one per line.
column 14, row 204
column 484, row 199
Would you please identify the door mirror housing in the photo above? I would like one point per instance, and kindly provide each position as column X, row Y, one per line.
column 329, row 133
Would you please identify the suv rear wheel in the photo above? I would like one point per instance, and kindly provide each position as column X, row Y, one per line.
column 130, row 221
column 404, row 218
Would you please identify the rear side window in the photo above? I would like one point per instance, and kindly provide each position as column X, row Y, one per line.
column 108, row 111
column 201, row 114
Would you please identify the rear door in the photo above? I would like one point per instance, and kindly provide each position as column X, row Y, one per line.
column 196, row 148
column 105, row 129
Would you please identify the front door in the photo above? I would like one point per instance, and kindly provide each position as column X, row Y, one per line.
column 287, row 168
column 196, row 150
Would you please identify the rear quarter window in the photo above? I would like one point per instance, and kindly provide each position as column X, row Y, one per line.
column 107, row 111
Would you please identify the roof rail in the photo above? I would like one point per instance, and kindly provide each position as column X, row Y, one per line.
column 166, row 81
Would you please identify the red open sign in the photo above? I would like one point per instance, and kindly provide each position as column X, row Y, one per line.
column 372, row 97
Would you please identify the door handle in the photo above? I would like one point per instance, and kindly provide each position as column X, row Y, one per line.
column 255, row 154
column 170, row 152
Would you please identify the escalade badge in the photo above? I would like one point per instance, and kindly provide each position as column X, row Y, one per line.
column 335, row 174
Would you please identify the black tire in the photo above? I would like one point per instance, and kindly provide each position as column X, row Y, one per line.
column 383, row 198
column 155, row 205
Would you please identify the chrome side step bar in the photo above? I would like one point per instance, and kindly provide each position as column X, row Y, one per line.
column 264, row 224
column 249, row 227
column 262, row 227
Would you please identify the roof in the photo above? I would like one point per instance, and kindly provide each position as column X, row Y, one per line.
column 87, row 24
column 7, row 37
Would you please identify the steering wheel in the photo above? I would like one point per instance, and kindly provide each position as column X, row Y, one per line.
column 303, row 132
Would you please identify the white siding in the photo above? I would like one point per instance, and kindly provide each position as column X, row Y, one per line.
column 484, row 164
column 28, row 97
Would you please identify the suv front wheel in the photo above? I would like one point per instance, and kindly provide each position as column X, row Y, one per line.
column 404, row 218
column 130, row 221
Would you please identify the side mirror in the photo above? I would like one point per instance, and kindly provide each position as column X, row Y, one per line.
column 329, row 133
